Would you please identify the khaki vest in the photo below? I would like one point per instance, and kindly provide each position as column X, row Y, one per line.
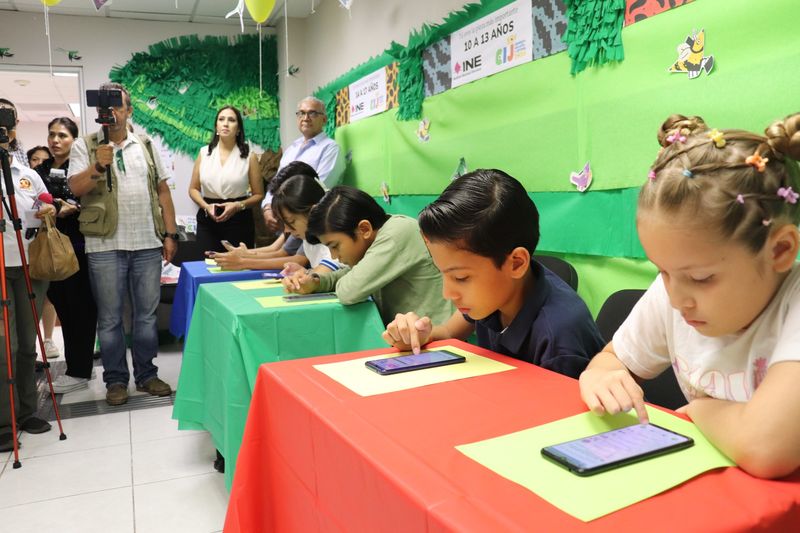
column 99, row 213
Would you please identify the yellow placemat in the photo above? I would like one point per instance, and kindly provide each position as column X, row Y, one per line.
column 218, row 270
column 278, row 301
column 210, row 261
column 257, row 284
column 518, row 457
column 364, row 382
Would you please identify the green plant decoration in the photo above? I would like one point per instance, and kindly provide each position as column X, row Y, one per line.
column 594, row 32
column 178, row 86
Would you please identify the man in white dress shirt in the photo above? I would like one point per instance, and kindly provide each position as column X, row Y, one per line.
column 314, row 148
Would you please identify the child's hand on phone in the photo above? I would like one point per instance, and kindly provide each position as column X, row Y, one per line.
column 301, row 282
column 229, row 261
column 611, row 390
column 408, row 332
column 291, row 267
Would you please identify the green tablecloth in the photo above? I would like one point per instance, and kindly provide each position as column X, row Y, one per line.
column 231, row 334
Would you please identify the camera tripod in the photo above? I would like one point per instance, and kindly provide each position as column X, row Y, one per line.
column 10, row 207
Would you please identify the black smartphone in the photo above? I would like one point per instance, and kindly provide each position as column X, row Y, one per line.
column 618, row 447
column 407, row 363
column 312, row 296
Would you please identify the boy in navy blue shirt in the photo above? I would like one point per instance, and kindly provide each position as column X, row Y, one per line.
column 482, row 232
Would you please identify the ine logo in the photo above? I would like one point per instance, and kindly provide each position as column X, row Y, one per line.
column 468, row 65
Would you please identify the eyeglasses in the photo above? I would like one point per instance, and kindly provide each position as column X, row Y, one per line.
column 309, row 114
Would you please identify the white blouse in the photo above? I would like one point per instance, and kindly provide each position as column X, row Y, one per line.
column 227, row 181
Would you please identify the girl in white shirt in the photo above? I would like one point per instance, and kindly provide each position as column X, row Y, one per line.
column 226, row 183
column 718, row 216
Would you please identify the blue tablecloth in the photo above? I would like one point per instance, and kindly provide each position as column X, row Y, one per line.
column 193, row 274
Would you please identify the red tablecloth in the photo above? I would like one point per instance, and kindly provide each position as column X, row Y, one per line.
column 318, row 457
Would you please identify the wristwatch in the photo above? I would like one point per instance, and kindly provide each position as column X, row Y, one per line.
column 174, row 236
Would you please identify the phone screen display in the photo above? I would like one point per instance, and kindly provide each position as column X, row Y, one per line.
column 404, row 363
column 616, row 448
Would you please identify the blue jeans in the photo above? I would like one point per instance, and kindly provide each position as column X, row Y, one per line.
column 112, row 275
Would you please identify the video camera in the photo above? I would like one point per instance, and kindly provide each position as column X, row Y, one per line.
column 104, row 100
column 8, row 121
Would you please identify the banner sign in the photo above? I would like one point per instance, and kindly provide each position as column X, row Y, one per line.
column 494, row 43
column 368, row 95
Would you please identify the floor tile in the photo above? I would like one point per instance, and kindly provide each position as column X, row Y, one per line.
column 66, row 474
column 154, row 424
column 193, row 504
column 83, row 433
column 95, row 512
column 181, row 456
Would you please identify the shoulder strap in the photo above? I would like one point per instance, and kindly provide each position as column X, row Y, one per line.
column 148, row 155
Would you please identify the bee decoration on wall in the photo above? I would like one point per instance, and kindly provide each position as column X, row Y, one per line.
column 691, row 56
column 5, row 52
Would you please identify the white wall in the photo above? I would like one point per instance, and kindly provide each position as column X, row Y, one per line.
column 103, row 43
column 330, row 42
column 324, row 45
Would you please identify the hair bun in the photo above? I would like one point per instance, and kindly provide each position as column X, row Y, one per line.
column 783, row 137
column 686, row 125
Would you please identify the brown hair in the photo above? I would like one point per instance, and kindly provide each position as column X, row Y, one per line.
column 710, row 174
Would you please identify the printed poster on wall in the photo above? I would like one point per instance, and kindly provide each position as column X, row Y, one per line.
column 368, row 95
column 494, row 43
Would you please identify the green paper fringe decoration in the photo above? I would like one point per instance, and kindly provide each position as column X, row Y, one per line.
column 594, row 32
column 410, row 78
column 212, row 72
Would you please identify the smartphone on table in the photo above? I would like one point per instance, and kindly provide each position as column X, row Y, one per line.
column 618, row 447
column 407, row 363
column 272, row 275
column 308, row 297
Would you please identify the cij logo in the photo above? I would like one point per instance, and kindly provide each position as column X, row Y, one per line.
column 513, row 50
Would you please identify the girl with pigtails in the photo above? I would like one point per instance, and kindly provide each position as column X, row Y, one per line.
column 718, row 216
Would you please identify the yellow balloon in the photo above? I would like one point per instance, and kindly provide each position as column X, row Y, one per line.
column 259, row 9
column 51, row 3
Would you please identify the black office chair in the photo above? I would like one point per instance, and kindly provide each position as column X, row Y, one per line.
column 662, row 390
column 560, row 268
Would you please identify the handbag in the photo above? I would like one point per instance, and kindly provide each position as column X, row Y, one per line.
column 51, row 256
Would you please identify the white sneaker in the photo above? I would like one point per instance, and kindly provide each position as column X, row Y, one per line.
column 51, row 350
column 64, row 383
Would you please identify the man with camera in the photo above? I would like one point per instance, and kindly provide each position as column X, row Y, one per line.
column 128, row 219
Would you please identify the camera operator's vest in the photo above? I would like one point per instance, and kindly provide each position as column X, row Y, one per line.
column 99, row 212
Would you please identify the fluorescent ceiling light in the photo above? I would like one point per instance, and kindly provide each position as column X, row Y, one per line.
column 66, row 74
column 76, row 109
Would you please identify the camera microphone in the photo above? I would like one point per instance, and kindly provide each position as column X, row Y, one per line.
column 46, row 197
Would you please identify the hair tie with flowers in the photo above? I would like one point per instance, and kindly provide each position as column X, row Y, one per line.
column 651, row 175
column 688, row 173
column 788, row 195
column 717, row 137
column 740, row 199
column 757, row 162
column 676, row 136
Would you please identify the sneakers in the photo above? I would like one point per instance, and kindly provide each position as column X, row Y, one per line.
column 117, row 394
column 34, row 425
column 64, row 384
column 155, row 387
column 51, row 350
